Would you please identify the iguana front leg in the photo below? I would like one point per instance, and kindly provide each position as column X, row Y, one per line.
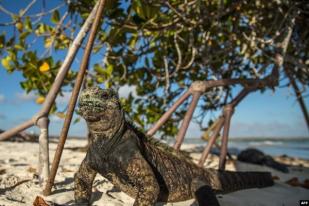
column 140, row 174
column 83, row 183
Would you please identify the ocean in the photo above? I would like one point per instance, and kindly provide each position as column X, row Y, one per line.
column 294, row 147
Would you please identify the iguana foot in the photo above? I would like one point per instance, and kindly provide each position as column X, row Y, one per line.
column 203, row 193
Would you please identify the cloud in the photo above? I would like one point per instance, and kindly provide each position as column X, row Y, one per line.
column 125, row 90
column 26, row 96
column 2, row 98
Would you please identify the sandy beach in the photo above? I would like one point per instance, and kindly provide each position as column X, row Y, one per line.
column 19, row 184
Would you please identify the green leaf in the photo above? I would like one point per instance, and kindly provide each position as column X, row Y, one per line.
column 6, row 63
column 2, row 41
column 23, row 35
column 19, row 47
column 98, row 69
column 55, row 17
column 28, row 24
column 48, row 42
column 109, row 69
column 144, row 10
column 100, row 79
column 40, row 29
column 107, row 84
column 133, row 41
column 138, row 8
column 76, row 120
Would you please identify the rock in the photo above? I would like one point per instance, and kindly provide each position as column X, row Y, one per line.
column 39, row 201
column 306, row 184
column 294, row 182
column 255, row 156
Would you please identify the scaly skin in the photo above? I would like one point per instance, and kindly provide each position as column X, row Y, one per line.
column 141, row 166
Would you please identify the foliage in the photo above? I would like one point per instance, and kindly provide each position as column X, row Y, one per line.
column 161, row 47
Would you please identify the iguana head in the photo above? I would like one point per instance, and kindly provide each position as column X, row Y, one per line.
column 100, row 108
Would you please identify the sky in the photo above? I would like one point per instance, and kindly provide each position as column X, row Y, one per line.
column 258, row 115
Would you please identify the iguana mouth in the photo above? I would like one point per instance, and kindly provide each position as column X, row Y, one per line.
column 90, row 114
column 91, row 111
column 92, row 118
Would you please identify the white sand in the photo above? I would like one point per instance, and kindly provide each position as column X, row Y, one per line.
column 19, row 160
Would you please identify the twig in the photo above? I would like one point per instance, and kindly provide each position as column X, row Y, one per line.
column 73, row 99
column 217, row 126
column 186, row 120
column 296, row 62
column 4, row 10
column 167, row 77
column 47, row 12
column 57, row 30
column 179, row 14
column 12, row 14
column 194, row 52
column 179, row 61
column 27, row 8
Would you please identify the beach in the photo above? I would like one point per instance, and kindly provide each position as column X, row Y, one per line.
column 19, row 184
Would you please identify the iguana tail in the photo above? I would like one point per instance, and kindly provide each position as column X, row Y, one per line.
column 227, row 181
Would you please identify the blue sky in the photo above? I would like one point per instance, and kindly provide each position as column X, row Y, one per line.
column 260, row 115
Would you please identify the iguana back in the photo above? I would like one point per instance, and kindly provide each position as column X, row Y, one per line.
column 178, row 171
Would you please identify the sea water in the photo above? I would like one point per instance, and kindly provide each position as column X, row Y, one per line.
column 294, row 147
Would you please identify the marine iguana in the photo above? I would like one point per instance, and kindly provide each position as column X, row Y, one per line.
column 143, row 167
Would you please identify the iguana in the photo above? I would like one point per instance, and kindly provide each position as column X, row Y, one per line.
column 143, row 167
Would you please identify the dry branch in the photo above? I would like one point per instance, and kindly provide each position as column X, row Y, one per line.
column 73, row 99
column 204, row 86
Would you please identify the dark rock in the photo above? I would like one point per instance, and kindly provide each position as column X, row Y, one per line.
column 306, row 184
column 255, row 156
column 294, row 182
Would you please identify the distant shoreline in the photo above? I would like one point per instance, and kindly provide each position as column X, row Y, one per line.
column 230, row 138
column 269, row 138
